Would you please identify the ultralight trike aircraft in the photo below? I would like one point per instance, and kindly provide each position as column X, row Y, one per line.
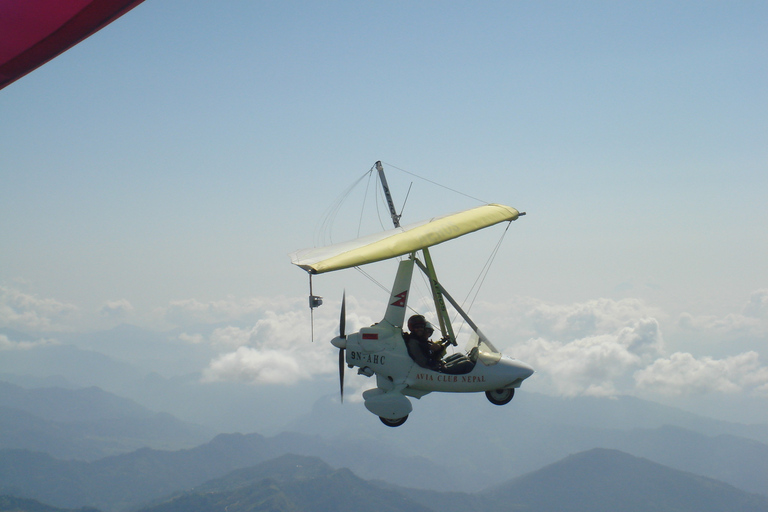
column 406, row 364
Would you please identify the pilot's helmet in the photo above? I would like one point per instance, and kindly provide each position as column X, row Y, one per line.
column 418, row 321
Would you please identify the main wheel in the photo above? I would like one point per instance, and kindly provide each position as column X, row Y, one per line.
column 393, row 423
column 500, row 396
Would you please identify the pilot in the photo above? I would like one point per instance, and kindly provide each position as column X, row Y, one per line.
column 424, row 352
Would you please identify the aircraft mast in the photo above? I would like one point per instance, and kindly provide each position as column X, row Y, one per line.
column 385, row 186
column 442, row 313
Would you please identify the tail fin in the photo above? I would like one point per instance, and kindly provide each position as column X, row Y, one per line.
column 398, row 300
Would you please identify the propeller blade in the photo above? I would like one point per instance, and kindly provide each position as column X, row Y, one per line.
column 342, row 335
column 341, row 374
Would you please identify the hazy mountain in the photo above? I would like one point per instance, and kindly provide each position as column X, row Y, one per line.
column 86, row 424
column 627, row 412
column 456, row 442
column 599, row 480
column 133, row 346
column 492, row 444
column 526, row 414
column 222, row 473
column 609, row 480
column 150, row 350
column 67, row 405
column 740, row 462
column 13, row 504
column 123, row 481
column 19, row 429
column 594, row 481
column 76, row 367
column 158, row 384
column 289, row 483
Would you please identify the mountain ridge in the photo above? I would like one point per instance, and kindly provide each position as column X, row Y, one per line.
column 639, row 481
column 597, row 480
column 87, row 424
column 124, row 481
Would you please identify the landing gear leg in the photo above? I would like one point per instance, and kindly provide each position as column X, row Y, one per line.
column 500, row 396
column 393, row 423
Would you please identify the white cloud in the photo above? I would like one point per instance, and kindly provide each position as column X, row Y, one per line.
column 28, row 312
column 757, row 307
column 193, row 312
column 525, row 317
column 587, row 348
column 276, row 350
column 595, row 364
column 8, row 344
column 606, row 347
column 233, row 337
column 116, row 309
column 274, row 345
column 752, row 321
column 253, row 365
column 682, row 373
column 732, row 324
column 193, row 339
column 598, row 347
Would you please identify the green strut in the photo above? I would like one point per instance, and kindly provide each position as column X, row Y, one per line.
column 442, row 312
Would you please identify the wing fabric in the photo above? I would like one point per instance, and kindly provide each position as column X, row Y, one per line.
column 400, row 241
column 32, row 32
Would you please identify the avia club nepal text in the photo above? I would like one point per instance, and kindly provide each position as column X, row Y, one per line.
column 450, row 378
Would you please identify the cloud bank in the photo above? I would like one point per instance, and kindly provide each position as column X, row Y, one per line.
column 277, row 349
column 600, row 347
column 605, row 347
column 27, row 312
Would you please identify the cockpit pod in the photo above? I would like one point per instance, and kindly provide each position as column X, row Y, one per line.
column 506, row 372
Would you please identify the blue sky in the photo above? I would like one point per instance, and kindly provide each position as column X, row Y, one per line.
column 183, row 151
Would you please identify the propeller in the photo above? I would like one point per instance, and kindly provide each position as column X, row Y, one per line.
column 342, row 335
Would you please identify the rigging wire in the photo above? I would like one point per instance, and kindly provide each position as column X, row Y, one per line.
column 324, row 229
column 372, row 279
column 365, row 197
column 324, row 233
column 438, row 184
column 405, row 201
column 414, row 284
column 484, row 272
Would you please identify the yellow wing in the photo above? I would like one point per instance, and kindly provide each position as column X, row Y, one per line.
column 403, row 240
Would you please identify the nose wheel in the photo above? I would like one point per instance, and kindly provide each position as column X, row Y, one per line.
column 393, row 423
column 500, row 396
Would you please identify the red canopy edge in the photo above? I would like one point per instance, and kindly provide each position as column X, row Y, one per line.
column 92, row 18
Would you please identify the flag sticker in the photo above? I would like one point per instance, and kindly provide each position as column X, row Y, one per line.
column 400, row 302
